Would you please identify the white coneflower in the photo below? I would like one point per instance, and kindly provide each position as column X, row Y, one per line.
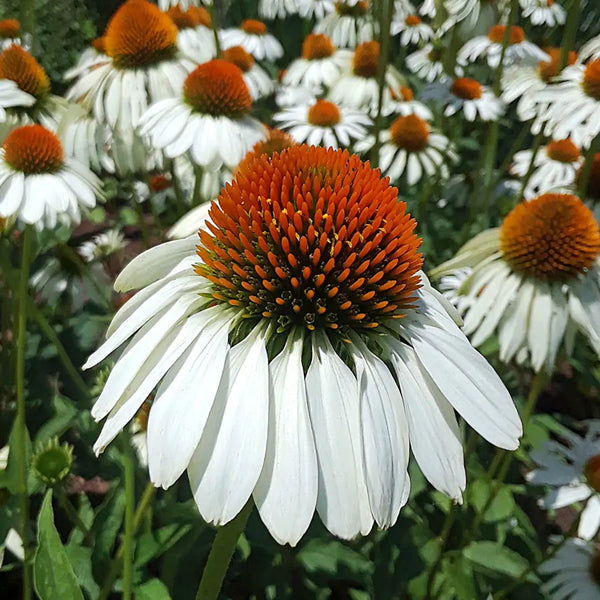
column 277, row 9
column 38, row 184
column 257, row 79
column 523, row 81
column 102, row 245
column 571, row 106
column 11, row 33
column 411, row 29
column 195, row 37
column 210, row 118
column 185, row 4
column 92, row 56
column 11, row 96
column 315, row 8
column 590, row 50
column 358, row 87
column 279, row 311
column 402, row 102
column 410, row 146
column 467, row 96
column 253, row 37
column 555, row 166
column 144, row 67
column 543, row 12
column 348, row 25
column 535, row 280
column 574, row 572
column 320, row 65
column 572, row 472
column 426, row 63
column 518, row 49
column 450, row 285
column 324, row 123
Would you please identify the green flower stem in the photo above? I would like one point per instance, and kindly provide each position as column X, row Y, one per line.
column 538, row 384
column 386, row 11
column 63, row 356
column 179, row 201
column 220, row 555
column 117, row 561
column 142, row 221
column 129, row 533
column 28, row 19
column 212, row 11
column 21, row 426
column 70, row 511
column 535, row 147
column 570, row 32
column 587, row 168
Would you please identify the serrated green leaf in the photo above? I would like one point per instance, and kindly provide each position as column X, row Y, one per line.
column 53, row 574
column 152, row 590
column 494, row 557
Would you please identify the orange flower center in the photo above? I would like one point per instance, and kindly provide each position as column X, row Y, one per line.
column 591, row 470
column 317, row 45
column 313, row 237
column 10, row 28
column 591, row 79
column 33, row 149
column 183, row 19
column 139, row 35
column 99, row 44
column 239, row 57
column 553, row 237
column 17, row 64
column 254, row 27
column 547, row 70
column 324, row 114
column 218, row 88
column 200, row 15
column 412, row 20
column 406, row 94
column 365, row 59
column 562, row 150
column 277, row 141
column 465, row 88
column 410, row 133
column 357, row 10
column 496, row 34
column 158, row 183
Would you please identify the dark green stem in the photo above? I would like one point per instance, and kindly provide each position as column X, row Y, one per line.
column 220, row 555
column 21, row 425
column 537, row 141
column 129, row 529
column 584, row 178
column 570, row 32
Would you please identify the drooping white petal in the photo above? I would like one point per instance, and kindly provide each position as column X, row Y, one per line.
column 384, row 435
column 332, row 389
column 590, row 518
column 434, row 435
column 229, row 458
column 286, row 491
column 470, row 384
column 185, row 398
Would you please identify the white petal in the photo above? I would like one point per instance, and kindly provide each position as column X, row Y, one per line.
column 229, row 458
column 590, row 518
column 286, row 492
column 332, row 389
column 184, row 399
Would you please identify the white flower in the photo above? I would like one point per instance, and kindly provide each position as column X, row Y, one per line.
column 10, row 33
column 144, row 66
column 11, row 96
column 323, row 123
column 572, row 471
column 195, row 37
column 404, row 103
column 320, row 65
column 89, row 59
column 209, row 119
column 576, row 93
column 450, row 285
column 315, row 8
column 38, row 183
column 466, row 95
column 535, row 280
column 518, row 49
column 555, row 166
column 590, row 50
column 277, row 9
column 410, row 146
column 412, row 30
column 239, row 310
column 543, row 12
column 185, row 4
column 257, row 79
column 252, row 36
column 348, row 25
column 287, row 95
column 357, row 87
column 190, row 223
column 102, row 245
column 427, row 63
column 574, row 572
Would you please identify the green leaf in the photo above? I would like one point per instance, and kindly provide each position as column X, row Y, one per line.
column 153, row 544
column 64, row 415
column 334, row 559
column 9, row 477
column 490, row 556
column 152, row 590
column 81, row 559
column 54, row 577
column 501, row 507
